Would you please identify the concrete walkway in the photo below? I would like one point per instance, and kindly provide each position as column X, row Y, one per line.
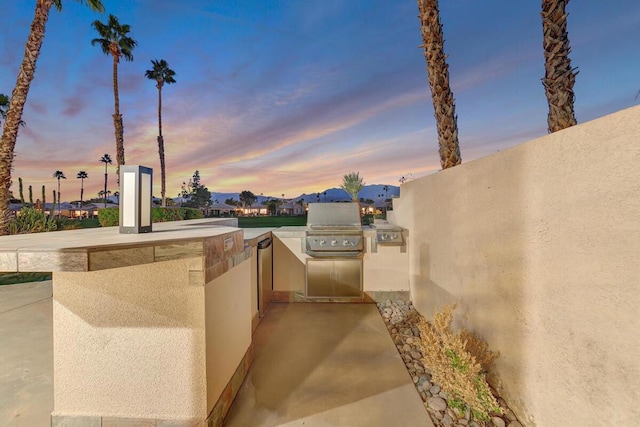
column 326, row 365
column 315, row 365
column 26, row 355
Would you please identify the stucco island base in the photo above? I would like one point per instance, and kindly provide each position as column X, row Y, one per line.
column 149, row 345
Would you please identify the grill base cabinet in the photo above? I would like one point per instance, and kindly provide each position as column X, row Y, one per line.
column 334, row 278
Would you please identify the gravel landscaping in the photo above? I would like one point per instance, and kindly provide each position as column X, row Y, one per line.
column 401, row 320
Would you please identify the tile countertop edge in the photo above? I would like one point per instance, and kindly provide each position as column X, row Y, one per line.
column 51, row 253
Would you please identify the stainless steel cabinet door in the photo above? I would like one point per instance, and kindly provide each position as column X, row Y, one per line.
column 328, row 278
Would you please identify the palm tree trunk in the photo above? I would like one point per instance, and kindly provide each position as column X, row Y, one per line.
column 105, row 184
column 58, row 197
column 81, row 195
column 438, row 73
column 559, row 76
column 117, row 118
column 16, row 106
column 161, row 151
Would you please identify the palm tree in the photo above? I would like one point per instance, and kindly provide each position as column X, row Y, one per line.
column 59, row 175
column 114, row 41
column 438, row 74
column 4, row 104
column 117, row 194
column 82, row 175
column 559, row 77
column 386, row 190
column 19, row 99
column 106, row 159
column 162, row 74
column 352, row 183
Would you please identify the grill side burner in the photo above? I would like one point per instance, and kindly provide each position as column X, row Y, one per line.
column 387, row 235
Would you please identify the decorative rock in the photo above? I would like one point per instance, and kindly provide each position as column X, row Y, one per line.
column 437, row 404
column 409, row 340
column 435, row 389
column 415, row 380
column 406, row 347
column 447, row 420
column 438, row 415
column 497, row 422
column 515, row 424
column 416, row 355
column 510, row 415
column 463, row 421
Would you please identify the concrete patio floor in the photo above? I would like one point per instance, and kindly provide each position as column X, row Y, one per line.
column 326, row 365
column 315, row 365
column 26, row 355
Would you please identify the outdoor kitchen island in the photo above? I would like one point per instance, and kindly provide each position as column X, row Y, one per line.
column 146, row 327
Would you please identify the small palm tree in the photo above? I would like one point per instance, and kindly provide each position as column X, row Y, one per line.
column 352, row 183
column 559, row 77
column 106, row 159
column 117, row 194
column 19, row 99
column 161, row 74
column 82, row 175
column 59, row 175
column 115, row 41
column 438, row 74
column 386, row 190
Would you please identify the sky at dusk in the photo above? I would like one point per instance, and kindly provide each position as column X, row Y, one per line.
column 287, row 96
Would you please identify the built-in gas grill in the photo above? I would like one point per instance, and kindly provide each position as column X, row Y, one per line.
column 335, row 243
column 334, row 230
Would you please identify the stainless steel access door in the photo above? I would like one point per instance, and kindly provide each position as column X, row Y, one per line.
column 334, row 278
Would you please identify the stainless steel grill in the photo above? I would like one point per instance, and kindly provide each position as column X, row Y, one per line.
column 335, row 243
column 334, row 230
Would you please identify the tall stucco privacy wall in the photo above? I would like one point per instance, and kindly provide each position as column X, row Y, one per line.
column 540, row 247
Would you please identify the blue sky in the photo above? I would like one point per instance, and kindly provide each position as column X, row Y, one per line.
column 286, row 96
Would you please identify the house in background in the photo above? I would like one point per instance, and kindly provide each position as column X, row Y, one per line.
column 292, row 209
column 219, row 209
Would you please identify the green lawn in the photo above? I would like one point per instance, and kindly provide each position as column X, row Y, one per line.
column 271, row 221
column 11, row 278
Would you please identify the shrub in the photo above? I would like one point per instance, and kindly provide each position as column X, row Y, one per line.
column 192, row 213
column 458, row 363
column 108, row 217
column 31, row 220
column 159, row 214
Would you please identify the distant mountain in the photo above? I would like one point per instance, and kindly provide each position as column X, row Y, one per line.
column 374, row 192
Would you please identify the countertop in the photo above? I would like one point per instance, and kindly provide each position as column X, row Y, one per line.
column 253, row 235
column 71, row 250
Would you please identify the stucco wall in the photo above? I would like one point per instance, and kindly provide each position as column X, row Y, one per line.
column 97, row 315
column 228, row 327
column 540, row 247
column 387, row 269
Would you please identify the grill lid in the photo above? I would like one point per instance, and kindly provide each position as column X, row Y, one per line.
column 338, row 215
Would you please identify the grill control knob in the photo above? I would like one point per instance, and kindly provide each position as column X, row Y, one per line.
column 322, row 242
column 334, row 242
column 346, row 243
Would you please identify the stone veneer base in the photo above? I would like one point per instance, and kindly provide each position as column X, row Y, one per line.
column 222, row 406
column 215, row 418
column 368, row 297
